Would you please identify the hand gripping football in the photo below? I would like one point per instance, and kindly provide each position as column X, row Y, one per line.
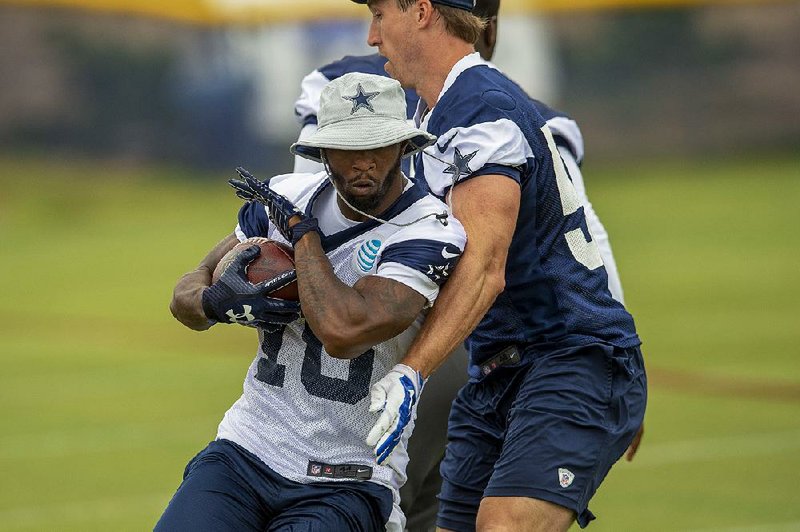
column 275, row 259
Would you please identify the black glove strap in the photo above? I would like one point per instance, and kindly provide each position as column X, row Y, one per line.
column 301, row 228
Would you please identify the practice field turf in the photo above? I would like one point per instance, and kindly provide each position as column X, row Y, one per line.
column 104, row 397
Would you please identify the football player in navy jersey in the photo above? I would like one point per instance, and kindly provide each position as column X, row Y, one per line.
column 557, row 385
column 426, row 448
column 299, row 450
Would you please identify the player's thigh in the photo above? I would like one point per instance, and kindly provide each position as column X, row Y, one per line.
column 475, row 439
column 356, row 507
column 573, row 416
column 522, row 514
column 214, row 496
column 427, row 444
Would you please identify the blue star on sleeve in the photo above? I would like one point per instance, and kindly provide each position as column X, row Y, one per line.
column 460, row 165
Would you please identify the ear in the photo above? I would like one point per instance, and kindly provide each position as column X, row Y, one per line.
column 423, row 12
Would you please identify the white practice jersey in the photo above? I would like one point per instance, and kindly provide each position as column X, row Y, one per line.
column 305, row 413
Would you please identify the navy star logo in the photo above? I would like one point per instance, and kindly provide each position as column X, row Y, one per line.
column 361, row 99
column 460, row 164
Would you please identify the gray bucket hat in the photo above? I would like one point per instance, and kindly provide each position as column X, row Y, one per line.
column 362, row 112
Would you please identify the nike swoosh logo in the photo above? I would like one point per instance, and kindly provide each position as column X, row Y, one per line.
column 443, row 148
column 362, row 470
column 446, row 254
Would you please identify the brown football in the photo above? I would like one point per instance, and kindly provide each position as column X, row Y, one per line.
column 275, row 259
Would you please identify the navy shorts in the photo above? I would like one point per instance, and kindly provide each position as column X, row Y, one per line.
column 549, row 429
column 225, row 487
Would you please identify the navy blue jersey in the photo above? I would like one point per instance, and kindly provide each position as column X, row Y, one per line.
column 556, row 286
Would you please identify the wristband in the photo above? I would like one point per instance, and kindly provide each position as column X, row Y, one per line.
column 301, row 228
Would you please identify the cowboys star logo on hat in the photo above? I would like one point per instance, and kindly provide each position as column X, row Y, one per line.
column 342, row 127
column 361, row 99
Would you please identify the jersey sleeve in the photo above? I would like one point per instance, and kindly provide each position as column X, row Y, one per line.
column 568, row 136
column 253, row 221
column 253, row 218
column 306, row 106
column 423, row 259
column 566, row 131
column 490, row 142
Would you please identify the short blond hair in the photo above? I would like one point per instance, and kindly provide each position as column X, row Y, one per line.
column 457, row 22
column 462, row 24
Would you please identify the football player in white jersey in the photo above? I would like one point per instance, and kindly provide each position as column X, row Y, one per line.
column 418, row 494
column 298, row 450
column 557, row 387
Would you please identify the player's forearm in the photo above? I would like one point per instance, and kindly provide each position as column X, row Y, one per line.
column 462, row 303
column 187, row 299
column 332, row 309
column 487, row 207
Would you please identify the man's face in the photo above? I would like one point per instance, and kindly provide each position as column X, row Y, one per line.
column 368, row 179
column 391, row 31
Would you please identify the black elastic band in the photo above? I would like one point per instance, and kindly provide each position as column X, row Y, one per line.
column 301, row 228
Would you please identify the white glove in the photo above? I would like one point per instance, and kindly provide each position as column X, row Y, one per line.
column 395, row 396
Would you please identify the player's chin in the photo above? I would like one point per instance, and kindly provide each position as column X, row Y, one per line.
column 363, row 199
column 389, row 68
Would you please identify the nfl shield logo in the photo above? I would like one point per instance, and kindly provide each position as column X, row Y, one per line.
column 316, row 470
column 565, row 477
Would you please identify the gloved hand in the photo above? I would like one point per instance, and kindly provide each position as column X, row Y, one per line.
column 279, row 208
column 234, row 299
column 395, row 396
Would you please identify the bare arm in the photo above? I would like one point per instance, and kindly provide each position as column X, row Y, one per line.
column 350, row 320
column 187, row 303
column 487, row 206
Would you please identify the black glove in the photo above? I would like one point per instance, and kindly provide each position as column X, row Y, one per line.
column 234, row 299
column 279, row 208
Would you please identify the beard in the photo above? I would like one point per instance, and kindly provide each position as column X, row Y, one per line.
column 367, row 203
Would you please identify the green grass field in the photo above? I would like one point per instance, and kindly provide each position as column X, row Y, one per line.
column 104, row 397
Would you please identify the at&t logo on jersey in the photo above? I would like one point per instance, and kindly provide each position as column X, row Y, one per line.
column 367, row 254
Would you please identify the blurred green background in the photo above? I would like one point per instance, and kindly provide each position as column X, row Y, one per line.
column 117, row 135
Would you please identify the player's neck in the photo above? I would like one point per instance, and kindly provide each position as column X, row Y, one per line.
column 437, row 66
